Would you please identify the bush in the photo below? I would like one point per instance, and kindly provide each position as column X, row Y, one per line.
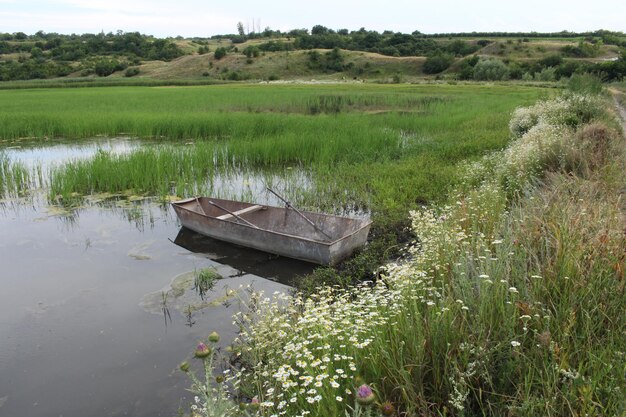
column 466, row 68
column 461, row 48
column 131, row 72
column 546, row 74
column 106, row 67
column 219, row 53
column 491, row 70
column 553, row 60
column 584, row 84
column 437, row 63
column 251, row 51
column 527, row 76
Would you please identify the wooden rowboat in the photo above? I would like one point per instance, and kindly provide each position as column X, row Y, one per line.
column 312, row 237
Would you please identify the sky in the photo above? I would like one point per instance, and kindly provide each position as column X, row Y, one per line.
column 203, row 18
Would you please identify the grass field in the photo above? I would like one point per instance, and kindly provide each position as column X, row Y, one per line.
column 379, row 147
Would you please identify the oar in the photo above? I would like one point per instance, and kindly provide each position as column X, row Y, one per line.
column 233, row 214
column 288, row 204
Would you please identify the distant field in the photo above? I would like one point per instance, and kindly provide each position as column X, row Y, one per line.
column 382, row 147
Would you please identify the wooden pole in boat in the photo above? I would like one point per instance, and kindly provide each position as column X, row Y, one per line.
column 200, row 205
column 233, row 214
column 288, row 204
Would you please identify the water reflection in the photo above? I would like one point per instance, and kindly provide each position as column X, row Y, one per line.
column 246, row 260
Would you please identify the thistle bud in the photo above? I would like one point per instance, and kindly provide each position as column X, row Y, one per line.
column 202, row 351
column 219, row 379
column 214, row 337
column 184, row 367
column 387, row 409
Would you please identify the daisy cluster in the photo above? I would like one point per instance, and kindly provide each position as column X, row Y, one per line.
column 304, row 350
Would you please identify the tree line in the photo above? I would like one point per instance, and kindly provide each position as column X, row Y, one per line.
column 45, row 55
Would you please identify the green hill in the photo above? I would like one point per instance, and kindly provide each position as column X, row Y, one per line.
column 321, row 55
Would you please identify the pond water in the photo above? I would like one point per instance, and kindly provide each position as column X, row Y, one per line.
column 83, row 326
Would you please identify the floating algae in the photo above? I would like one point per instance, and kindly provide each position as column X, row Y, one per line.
column 182, row 295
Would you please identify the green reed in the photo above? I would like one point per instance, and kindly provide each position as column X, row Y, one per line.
column 14, row 177
column 234, row 110
column 385, row 147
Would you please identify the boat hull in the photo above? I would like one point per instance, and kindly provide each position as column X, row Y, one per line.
column 346, row 234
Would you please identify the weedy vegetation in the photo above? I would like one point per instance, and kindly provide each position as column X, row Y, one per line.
column 204, row 280
column 14, row 176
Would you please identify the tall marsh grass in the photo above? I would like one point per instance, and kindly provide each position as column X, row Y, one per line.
column 505, row 304
column 377, row 148
column 14, row 177
column 228, row 111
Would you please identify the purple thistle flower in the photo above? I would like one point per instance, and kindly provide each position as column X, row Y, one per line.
column 365, row 395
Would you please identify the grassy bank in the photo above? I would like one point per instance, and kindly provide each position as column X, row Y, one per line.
column 509, row 302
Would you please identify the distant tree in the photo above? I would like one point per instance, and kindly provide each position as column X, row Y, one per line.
column 5, row 47
column 491, row 70
column 298, row 32
column 461, row 48
column 240, row 29
column 334, row 60
column 546, row 74
column 466, row 68
column 437, row 63
column 105, row 67
column 251, row 51
column 131, row 72
column 319, row 30
column 36, row 52
column 553, row 60
column 314, row 59
column 583, row 50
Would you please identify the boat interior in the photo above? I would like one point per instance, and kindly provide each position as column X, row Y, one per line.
column 326, row 228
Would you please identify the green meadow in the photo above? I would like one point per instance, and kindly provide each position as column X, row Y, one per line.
column 383, row 148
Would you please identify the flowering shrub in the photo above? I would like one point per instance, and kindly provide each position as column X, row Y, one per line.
column 571, row 110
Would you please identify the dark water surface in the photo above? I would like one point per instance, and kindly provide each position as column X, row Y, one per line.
column 76, row 335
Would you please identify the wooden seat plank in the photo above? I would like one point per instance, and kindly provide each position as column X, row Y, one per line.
column 250, row 209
